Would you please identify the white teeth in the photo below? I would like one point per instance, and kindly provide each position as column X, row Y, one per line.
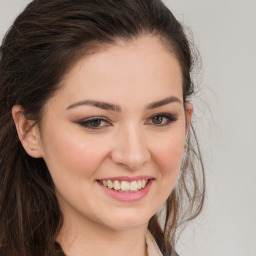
column 139, row 185
column 117, row 185
column 143, row 183
column 110, row 184
column 125, row 186
column 133, row 186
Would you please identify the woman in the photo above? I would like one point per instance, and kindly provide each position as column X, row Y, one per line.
column 96, row 131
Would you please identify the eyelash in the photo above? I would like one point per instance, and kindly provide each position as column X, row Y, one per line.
column 169, row 118
column 87, row 123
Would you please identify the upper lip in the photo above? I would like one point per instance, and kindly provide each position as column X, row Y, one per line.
column 127, row 178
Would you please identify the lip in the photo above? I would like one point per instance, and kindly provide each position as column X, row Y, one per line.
column 127, row 178
column 127, row 196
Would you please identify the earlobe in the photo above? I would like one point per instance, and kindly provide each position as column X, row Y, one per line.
column 28, row 132
column 189, row 113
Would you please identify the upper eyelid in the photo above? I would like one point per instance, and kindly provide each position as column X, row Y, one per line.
column 86, row 122
column 108, row 120
column 171, row 117
column 93, row 118
column 164, row 115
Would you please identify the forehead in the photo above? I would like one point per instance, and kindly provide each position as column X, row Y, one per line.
column 139, row 69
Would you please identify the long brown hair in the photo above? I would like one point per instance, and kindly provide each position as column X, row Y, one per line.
column 46, row 39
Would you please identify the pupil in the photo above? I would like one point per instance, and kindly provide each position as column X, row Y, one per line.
column 96, row 122
column 158, row 119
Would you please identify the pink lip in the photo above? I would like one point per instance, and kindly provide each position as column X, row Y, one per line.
column 127, row 196
column 127, row 178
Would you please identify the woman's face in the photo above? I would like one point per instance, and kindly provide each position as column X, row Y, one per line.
column 118, row 120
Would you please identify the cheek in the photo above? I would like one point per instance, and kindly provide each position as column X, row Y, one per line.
column 169, row 155
column 72, row 154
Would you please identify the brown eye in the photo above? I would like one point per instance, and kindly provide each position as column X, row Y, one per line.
column 94, row 123
column 162, row 119
column 157, row 119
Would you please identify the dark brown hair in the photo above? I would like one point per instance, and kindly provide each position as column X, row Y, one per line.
column 46, row 39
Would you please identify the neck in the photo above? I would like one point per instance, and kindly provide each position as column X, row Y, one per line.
column 98, row 240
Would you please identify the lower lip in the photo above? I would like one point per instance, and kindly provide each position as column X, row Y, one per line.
column 128, row 196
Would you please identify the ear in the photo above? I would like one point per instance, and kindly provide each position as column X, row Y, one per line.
column 188, row 112
column 28, row 132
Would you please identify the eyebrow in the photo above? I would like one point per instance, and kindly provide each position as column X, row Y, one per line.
column 98, row 104
column 113, row 107
column 164, row 102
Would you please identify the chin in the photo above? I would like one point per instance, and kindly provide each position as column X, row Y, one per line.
column 128, row 220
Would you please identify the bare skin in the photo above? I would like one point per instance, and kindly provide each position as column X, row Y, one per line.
column 139, row 131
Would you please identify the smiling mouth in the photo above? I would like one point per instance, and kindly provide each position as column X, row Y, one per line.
column 125, row 186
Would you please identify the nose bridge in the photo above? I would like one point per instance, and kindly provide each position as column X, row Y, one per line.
column 131, row 147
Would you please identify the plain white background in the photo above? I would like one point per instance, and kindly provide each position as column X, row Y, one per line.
column 225, row 34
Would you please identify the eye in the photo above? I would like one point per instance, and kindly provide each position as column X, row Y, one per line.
column 94, row 123
column 162, row 119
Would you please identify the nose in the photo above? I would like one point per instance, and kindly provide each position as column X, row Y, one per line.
column 130, row 149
